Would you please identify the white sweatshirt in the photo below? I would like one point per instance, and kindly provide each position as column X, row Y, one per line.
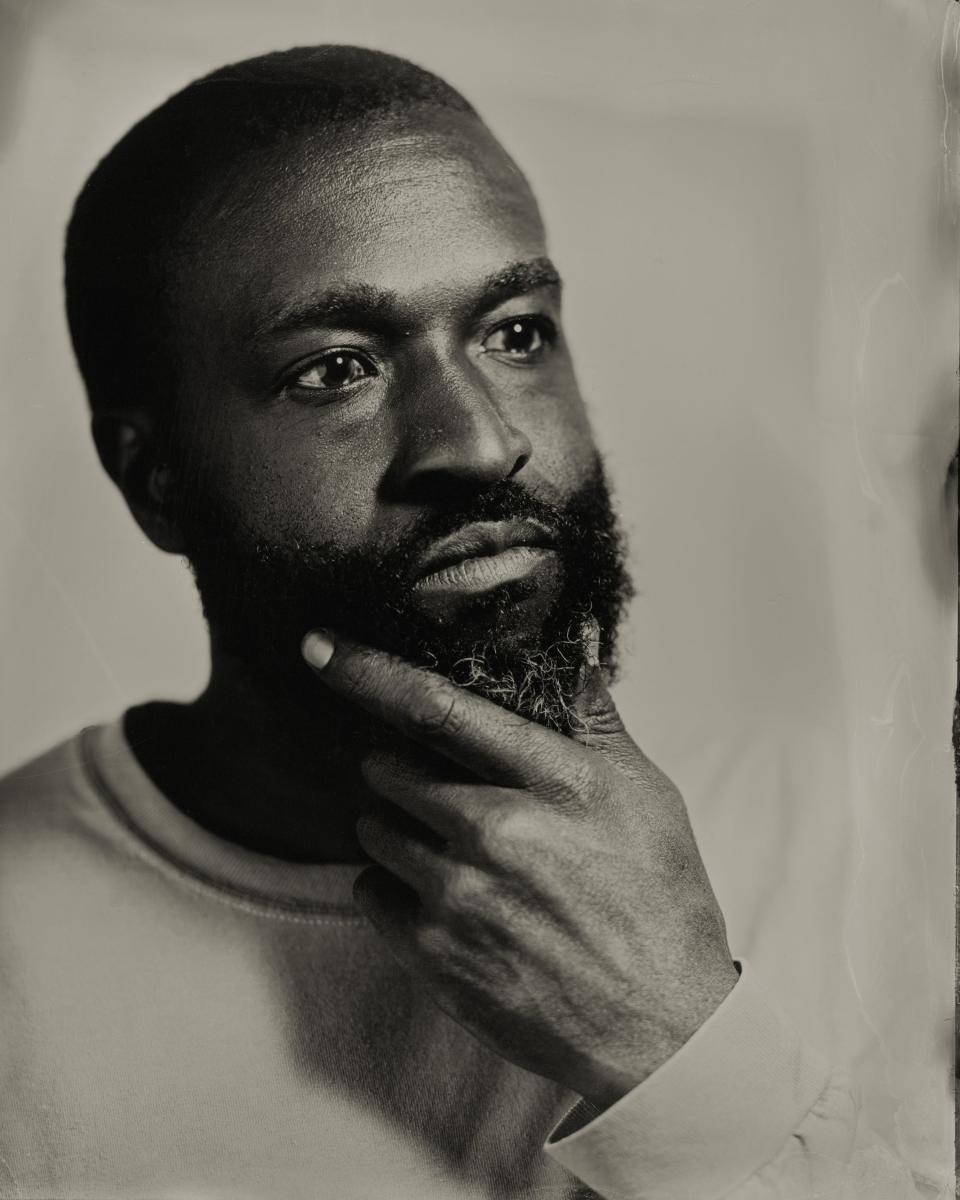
column 185, row 1019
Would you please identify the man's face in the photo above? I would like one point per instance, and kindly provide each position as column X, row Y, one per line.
column 379, row 425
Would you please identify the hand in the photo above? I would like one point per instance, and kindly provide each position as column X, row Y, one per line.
column 546, row 889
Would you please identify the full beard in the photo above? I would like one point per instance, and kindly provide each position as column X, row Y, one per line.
column 260, row 598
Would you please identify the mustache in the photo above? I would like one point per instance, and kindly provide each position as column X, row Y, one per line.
column 379, row 577
column 505, row 501
column 287, row 575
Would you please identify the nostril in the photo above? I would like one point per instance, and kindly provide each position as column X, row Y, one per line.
column 518, row 444
column 522, row 460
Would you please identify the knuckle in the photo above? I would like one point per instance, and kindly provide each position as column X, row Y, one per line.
column 503, row 831
column 599, row 718
column 434, row 710
column 462, row 891
column 356, row 668
column 580, row 784
column 432, row 939
column 491, row 830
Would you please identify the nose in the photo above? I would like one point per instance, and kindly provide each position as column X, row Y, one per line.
column 454, row 433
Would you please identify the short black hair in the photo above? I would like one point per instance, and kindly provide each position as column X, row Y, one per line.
column 133, row 215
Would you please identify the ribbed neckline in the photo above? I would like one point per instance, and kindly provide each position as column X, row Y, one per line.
column 236, row 873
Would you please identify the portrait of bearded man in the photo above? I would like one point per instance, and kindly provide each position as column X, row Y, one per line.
column 397, row 906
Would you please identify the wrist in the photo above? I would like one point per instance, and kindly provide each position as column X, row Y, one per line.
column 613, row 1074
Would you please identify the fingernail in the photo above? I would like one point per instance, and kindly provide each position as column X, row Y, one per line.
column 317, row 648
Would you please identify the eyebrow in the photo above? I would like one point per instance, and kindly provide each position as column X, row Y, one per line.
column 362, row 306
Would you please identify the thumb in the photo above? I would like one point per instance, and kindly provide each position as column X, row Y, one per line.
column 594, row 720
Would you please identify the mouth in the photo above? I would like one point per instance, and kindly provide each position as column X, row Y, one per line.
column 483, row 556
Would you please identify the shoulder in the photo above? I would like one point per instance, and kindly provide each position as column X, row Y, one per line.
column 49, row 796
column 46, row 773
column 60, row 844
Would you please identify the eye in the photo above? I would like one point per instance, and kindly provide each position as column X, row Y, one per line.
column 522, row 339
column 333, row 371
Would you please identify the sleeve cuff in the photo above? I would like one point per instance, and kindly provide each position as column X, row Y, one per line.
column 709, row 1117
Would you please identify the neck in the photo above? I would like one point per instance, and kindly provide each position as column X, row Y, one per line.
column 257, row 768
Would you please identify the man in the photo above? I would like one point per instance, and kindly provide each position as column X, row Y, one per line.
column 396, row 908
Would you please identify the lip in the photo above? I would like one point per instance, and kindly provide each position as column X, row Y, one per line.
column 470, row 576
column 484, row 551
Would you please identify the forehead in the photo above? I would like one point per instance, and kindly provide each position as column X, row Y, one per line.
column 419, row 209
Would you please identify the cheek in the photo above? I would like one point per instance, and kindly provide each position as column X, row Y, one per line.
column 562, row 439
column 317, row 495
column 280, row 480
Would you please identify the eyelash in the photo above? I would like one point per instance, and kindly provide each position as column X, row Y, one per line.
column 546, row 328
column 542, row 324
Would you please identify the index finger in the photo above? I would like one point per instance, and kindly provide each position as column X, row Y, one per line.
column 499, row 746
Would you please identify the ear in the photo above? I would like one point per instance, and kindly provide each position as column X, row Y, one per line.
column 131, row 449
